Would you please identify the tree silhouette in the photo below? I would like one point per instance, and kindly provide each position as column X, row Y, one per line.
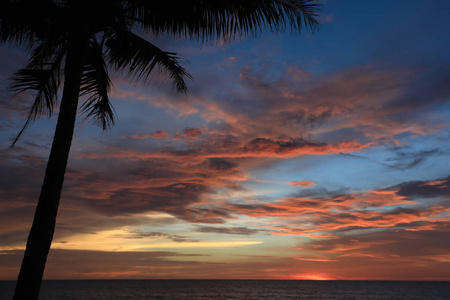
column 74, row 43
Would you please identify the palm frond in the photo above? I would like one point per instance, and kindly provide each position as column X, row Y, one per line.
column 44, row 78
column 22, row 22
column 96, row 83
column 127, row 51
column 222, row 19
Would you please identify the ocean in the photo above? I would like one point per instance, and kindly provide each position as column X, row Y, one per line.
column 236, row 289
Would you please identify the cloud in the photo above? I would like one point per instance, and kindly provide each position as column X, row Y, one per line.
column 303, row 183
column 368, row 100
column 410, row 245
column 181, row 187
column 346, row 112
column 316, row 259
column 226, row 148
column 191, row 133
column 173, row 187
column 227, row 230
column 173, row 198
column 428, row 189
column 139, row 137
column 159, row 134
column 152, row 235
column 393, row 207
column 407, row 159
column 74, row 264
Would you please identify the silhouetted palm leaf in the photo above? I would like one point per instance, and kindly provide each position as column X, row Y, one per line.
column 222, row 19
column 22, row 21
column 96, row 83
column 138, row 57
column 42, row 75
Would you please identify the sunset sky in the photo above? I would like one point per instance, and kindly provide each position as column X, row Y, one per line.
column 324, row 156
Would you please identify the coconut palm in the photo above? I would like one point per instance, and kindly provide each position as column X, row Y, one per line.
column 73, row 44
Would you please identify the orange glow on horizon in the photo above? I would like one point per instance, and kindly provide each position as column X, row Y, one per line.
column 312, row 277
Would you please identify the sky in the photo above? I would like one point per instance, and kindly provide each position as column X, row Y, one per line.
column 320, row 156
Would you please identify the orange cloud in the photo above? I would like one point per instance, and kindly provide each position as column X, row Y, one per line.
column 191, row 133
column 317, row 217
column 286, row 148
column 316, row 259
column 139, row 137
column 303, row 183
column 438, row 183
column 160, row 134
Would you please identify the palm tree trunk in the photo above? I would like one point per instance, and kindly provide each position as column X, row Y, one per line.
column 41, row 233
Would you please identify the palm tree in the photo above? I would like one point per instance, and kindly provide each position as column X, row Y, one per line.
column 74, row 43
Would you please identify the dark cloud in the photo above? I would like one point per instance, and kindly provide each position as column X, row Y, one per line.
column 404, row 160
column 155, row 185
column 73, row 264
column 439, row 188
column 13, row 237
column 278, row 146
column 322, row 193
column 428, row 88
column 191, row 133
column 317, row 117
column 159, row 134
column 221, row 164
column 21, row 168
column 206, row 215
column 74, row 220
column 426, row 244
column 153, row 234
column 170, row 199
column 228, row 230
column 371, row 102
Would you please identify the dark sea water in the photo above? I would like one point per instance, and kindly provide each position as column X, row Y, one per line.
column 236, row 289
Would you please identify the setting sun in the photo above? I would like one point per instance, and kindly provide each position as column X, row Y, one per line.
column 311, row 277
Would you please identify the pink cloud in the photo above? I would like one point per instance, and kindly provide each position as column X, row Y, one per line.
column 316, row 259
column 442, row 184
column 303, row 183
column 191, row 133
column 219, row 148
column 160, row 134
column 139, row 137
